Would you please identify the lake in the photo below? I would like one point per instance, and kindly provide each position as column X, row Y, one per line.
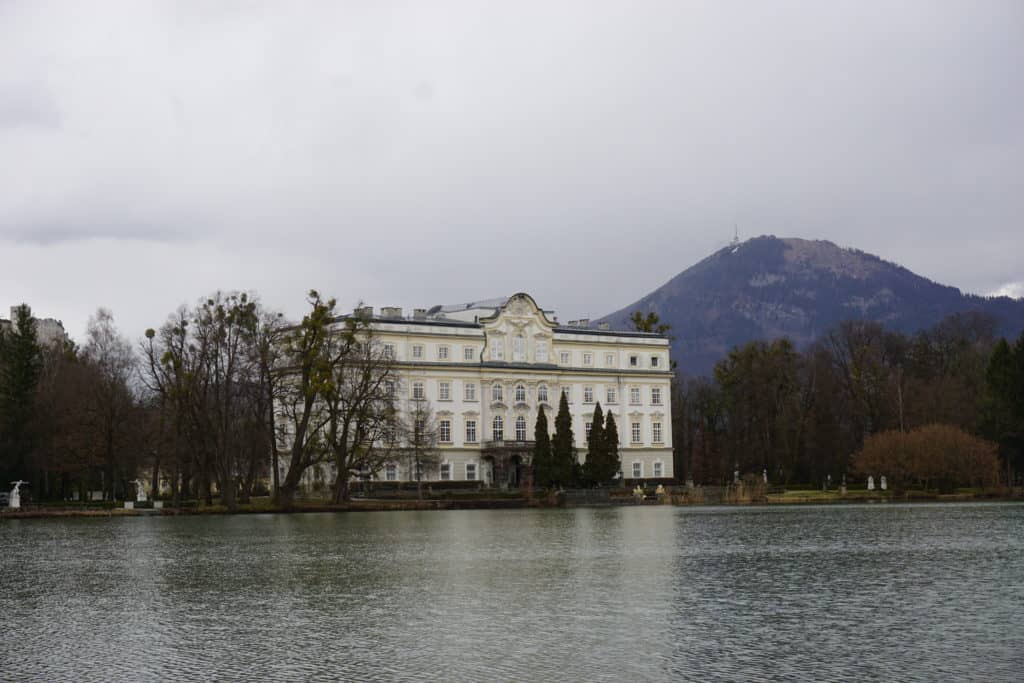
column 904, row 592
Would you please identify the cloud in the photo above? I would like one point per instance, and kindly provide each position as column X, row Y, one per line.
column 1014, row 290
column 412, row 154
column 27, row 106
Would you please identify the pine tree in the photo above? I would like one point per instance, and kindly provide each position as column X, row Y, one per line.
column 542, row 462
column 563, row 453
column 595, row 465
column 611, row 448
column 20, row 367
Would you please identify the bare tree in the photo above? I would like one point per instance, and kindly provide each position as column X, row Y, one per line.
column 112, row 406
column 307, row 374
column 420, row 437
column 358, row 401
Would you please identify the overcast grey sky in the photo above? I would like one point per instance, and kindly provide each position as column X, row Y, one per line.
column 412, row 153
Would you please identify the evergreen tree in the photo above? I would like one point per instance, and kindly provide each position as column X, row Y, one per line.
column 611, row 448
column 563, row 453
column 20, row 367
column 594, row 468
column 1003, row 417
column 542, row 462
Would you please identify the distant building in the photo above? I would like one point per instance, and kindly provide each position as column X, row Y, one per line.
column 486, row 367
column 48, row 330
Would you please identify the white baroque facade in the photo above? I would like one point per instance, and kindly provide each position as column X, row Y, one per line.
column 485, row 368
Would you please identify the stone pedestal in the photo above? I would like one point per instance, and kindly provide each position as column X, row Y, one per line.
column 129, row 505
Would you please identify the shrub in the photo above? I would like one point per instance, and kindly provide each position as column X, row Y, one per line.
column 936, row 454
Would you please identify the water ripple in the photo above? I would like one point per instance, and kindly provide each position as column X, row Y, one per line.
column 913, row 593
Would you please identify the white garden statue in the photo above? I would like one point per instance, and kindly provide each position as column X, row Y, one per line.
column 871, row 483
column 15, row 500
column 140, row 491
column 883, row 482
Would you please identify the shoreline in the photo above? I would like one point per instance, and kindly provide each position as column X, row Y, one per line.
column 385, row 505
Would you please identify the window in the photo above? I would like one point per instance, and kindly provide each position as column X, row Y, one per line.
column 444, row 391
column 470, row 471
column 446, row 471
column 656, row 396
column 636, row 432
column 496, row 393
column 468, row 353
column 389, row 387
column 389, row 432
column 634, row 361
column 541, row 354
column 658, row 470
column 610, row 395
column 417, row 390
column 609, row 360
column 419, row 427
column 567, row 392
column 564, row 357
column 470, row 431
column 634, row 395
column 417, row 350
column 542, row 393
column 519, row 348
column 498, row 428
column 588, row 394
column 520, row 393
column 442, row 353
column 498, row 350
column 444, row 431
column 389, row 351
column 587, row 426
column 638, row 470
column 416, row 472
column 520, row 428
column 655, row 361
column 656, row 432
column 588, row 358
column 391, row 472
column 469, row 391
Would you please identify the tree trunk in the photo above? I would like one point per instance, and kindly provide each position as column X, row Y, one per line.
column 275, row 476
column 228, row 488
column 342, row 490
column 155, row 481
column 286, row 496
column 176, row 485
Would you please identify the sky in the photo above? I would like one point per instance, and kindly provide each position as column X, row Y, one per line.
column 416, row 153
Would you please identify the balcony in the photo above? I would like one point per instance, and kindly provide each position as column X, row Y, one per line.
column 509, row 444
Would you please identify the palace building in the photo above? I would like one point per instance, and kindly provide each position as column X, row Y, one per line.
column 484, row 368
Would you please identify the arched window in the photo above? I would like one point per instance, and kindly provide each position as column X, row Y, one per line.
column 498, row 428
column 520, row 393
column 542, row 393
column 496, row 393
column 520, row 428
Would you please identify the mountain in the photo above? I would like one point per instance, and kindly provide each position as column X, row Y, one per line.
column 768, row 287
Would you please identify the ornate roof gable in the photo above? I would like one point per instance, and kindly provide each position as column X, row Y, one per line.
column 520, row 322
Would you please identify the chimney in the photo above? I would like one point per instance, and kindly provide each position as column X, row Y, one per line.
column 391, row 312
column 603, row 326
column 364, row 312
column 419, row 314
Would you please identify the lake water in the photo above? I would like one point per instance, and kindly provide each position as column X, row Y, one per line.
column 893, row 592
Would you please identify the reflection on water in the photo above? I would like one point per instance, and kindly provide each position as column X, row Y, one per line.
column 642, row 593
